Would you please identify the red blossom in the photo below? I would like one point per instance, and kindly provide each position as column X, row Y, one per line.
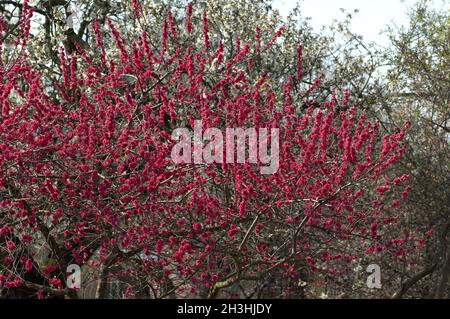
column 89, row 165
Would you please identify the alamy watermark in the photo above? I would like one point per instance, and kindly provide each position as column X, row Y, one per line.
column 191, row 147
column 374, row 279
column 74, row 278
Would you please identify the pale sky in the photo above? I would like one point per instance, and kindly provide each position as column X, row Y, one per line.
column 372, row 18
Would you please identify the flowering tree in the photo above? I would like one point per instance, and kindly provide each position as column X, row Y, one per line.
column 86, row 173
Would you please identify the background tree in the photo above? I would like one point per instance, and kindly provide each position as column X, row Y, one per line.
column 416, row 87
